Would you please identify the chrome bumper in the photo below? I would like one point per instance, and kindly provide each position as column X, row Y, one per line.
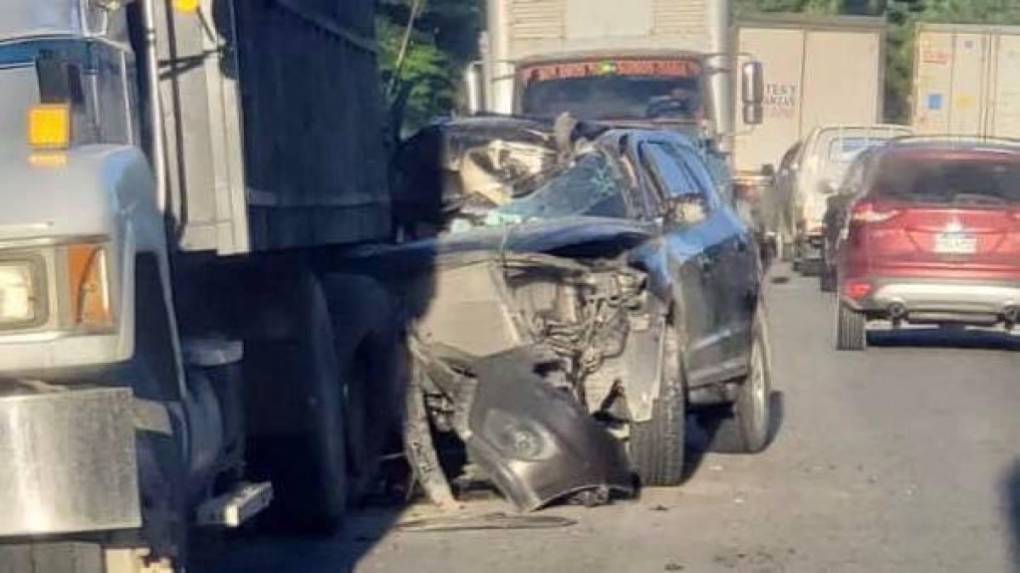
column 931, row 297
column 68, row 462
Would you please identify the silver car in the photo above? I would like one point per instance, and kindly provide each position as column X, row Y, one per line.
column 809, row 175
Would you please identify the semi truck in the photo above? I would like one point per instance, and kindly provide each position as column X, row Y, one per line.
column 804, row 91
column 661, row 63
column 178, row 346
column 965, row 80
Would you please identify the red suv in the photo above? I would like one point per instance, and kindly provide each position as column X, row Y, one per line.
column 932, row 237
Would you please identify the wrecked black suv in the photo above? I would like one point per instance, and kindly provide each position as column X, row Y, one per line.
column 574, row 292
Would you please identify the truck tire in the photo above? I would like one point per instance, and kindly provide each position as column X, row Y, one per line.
column 827, row 278
column 162, row 467
column 296, row 405
column 851, row 331
column 656, row 447
column 369, row 356
column 747, row 427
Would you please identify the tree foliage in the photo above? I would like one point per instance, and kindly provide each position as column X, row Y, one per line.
column 443, row 37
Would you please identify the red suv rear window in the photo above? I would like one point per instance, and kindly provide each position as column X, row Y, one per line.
column 965, row 179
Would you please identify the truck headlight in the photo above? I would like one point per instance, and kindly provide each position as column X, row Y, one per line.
column 19, row 305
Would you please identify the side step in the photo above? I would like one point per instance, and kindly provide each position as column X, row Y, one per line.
column 235, row 507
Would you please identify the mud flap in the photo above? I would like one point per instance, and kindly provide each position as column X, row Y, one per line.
column 537, row 443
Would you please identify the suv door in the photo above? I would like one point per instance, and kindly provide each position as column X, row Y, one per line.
column 694, row 254
column 739, row 268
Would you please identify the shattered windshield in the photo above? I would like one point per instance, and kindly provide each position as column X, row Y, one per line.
column 593, row 187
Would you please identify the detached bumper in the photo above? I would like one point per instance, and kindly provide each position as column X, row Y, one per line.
column 535, row 442
column 941, row 301
column 68, row 462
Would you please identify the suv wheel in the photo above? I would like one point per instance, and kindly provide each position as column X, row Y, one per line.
column 656, row 447
column 747, row 429
column 850, row 329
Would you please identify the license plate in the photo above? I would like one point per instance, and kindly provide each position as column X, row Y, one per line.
column 955, row 244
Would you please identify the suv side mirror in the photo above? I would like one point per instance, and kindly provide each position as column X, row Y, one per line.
column 752, row 92
column 474, row 87
column 688, row 209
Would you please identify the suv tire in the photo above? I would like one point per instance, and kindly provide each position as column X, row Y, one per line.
column 656, row 447
column 850, row 329
column 747, row 429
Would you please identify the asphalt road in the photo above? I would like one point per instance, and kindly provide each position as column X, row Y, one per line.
column 902, row 458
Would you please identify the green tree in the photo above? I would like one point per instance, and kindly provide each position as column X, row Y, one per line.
column 422, row 79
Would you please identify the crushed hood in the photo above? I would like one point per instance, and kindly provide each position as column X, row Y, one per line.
column 602, row 236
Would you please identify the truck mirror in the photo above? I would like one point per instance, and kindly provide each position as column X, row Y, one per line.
column 753, row 113
column 752, row 85
column 474, row 88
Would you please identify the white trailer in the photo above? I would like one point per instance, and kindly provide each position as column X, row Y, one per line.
column 819, row 71
column 965, row 80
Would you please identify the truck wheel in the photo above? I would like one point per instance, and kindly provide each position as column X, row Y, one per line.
column 851, row 332
column 656, row 447
column 162, row 465
column 827, row 278
column 746, row 428
column 785, row 248
column 370, row 360
column 296, row 408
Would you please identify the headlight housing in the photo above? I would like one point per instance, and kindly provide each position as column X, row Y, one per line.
column 22, row 298
column 58, row 288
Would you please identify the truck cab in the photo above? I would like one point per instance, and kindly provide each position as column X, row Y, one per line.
column 169, row 352
column 661, row 64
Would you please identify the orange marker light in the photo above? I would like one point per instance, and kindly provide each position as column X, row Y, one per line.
column 187, row 6
column 87, row 284
column 49, row 126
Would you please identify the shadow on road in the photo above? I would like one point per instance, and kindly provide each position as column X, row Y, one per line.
column 339, row 554
column 700, row 434
column 1011, row 504
column 945, row 338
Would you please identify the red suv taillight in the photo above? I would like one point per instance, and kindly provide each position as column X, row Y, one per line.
column 857, row 289
column 871, row 212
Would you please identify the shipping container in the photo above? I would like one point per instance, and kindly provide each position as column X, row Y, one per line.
column 966, row 80
column 818, row 71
